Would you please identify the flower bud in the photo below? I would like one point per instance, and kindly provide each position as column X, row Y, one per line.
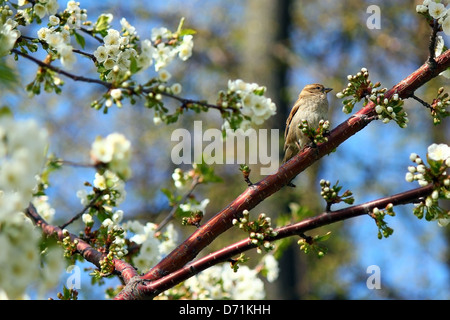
column 435, row 195
column 409, row 177
column 378, row 109
column 413, row 157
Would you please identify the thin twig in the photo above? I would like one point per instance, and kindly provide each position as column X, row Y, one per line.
column 185, row 102
column 91, row 34
column 172, row 212
column 78, row 215
column 421, row 101
column 73, row 164
column 60, row 71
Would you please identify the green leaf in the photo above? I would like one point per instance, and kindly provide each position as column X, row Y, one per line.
column 80, row 39
column 5, row 112
column 102, row 23
column 8, row 77
column 322, row 237
column 186, row 32
column 134, row 65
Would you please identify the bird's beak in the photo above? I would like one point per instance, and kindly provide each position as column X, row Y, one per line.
column 326, row 90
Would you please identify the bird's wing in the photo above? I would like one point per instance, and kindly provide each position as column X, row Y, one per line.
column 289, row 119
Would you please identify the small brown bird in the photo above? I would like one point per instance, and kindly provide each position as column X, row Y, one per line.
column 312, row 105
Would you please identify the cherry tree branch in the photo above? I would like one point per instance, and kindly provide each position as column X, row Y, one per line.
column 150, row 289
column 125, row 270
column 61, row 71
column 257, row 192
column 185, row 102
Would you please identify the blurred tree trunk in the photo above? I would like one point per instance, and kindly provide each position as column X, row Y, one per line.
column 267, row 26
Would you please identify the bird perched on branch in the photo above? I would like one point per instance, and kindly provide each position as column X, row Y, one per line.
column 312, row 106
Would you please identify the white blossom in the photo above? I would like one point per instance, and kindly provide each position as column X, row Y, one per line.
column 8, row 36
column 195, row 207
column 443, row 222
column 116, row 94
column 160, row 34
column 436, row 10
column 87, row 218
column 438, row 152
column 185, row 49
column 271, row 267
column 446, row 25
column 114, row 150
column 254, row 105
column 44, row 208
column 40, row 10
column 164, row 75
column 101, row 54
column 67, row 56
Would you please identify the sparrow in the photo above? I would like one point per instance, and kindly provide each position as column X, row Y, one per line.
column 311, row 105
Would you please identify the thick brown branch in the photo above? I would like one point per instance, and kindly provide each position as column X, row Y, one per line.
column 256, row 193
column 151, row 289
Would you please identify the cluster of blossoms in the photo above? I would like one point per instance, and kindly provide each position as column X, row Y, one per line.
column 195, row 206
column 250, row 100
column 110, row 235
column 437, row 11
column 8, row 33
column 440, row 46
column 439, row 106
column 109, row 190
column 378, row 215
column 114, row 153
column 360, row 87
column 438, row 158
column 21, row 160
column 181, row 177
column 221, row 282
column 43, row 7
column 115, row 56
column 121, row 54
column 331, row 193
column 390, row 109
column 111, row 156
column 44, row 209
column 57, row 35
column 316, row 135
column 167, row 49
column 259, row 230
column 312, row 244
column 154, row 246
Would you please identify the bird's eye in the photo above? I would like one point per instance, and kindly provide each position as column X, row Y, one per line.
column 318, row 88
